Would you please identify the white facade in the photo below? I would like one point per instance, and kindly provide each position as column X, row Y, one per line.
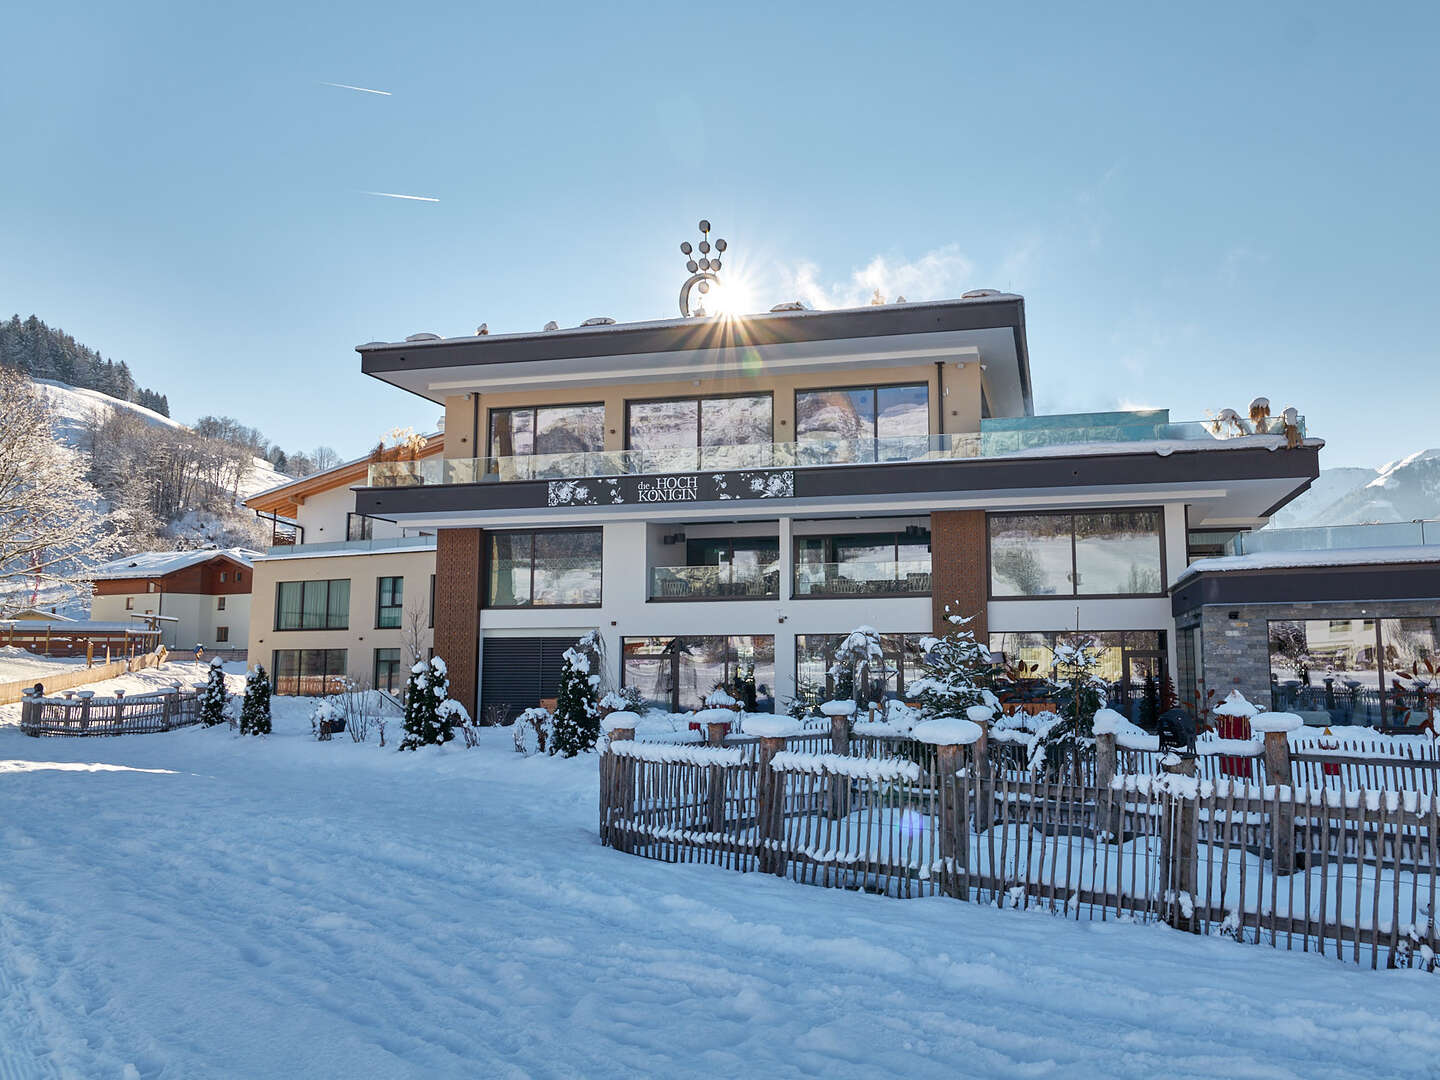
column 199, row 618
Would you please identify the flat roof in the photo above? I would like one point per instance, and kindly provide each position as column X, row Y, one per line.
column 987, row 329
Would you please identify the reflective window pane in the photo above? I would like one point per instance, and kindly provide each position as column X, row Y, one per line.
column 664, row 425
column 1118, row 553
column 735, row 421
column 512, row 432
column 902, row 421
column 567, row 568
column 1030, row 555
column 570, row 429
column 509, row 570
column 834, row 415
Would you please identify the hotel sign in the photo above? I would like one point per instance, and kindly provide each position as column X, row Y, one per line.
column 685, row 487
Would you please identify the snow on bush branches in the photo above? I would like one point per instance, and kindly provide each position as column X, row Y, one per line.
column 957, row 667
column 431, row 714
column 576, row 725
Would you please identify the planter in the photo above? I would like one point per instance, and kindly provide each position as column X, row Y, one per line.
column 332, row 727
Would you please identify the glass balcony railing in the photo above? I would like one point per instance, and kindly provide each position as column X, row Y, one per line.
column 714, row 582
column 359, row 547
column 905, row 577
column 1336, row 537
column 997, row 438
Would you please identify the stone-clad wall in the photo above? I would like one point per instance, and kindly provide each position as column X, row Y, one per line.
column 1236, row 652
column 959, row 574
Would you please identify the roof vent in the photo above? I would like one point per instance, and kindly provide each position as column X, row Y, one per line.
column 789, row 305
column 552, row 325
column 423, row 337
column 976, row 294
column 599, row 320
column 482, row 329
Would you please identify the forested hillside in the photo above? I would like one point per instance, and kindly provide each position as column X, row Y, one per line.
column 45, row 352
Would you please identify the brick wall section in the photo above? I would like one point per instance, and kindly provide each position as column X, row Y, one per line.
column 958, row 570
column 1235, row 653
column 457, row 609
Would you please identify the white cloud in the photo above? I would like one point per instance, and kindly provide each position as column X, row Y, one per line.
column 937, row 274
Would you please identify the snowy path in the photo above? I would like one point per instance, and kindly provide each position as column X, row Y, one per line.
column 305, row 909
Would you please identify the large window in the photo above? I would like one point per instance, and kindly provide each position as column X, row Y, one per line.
column 701, row 433
column 544, row 568
column 864, row 564
column 1101, row 553
column 313, row 605
column 1356, row 669
column 677, row 673
column 864, row 423
column 1127, row 657
column 309, row 672
column 389, row 602
column 547, row 429
column 815, row 655
column 387, row 671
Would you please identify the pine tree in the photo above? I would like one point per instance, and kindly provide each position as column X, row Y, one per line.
column 957, row 675
column 859, row 670
column 1071, row 735
column 212, row 704
column 255, row 709
column 577, row 710
column 429, row 713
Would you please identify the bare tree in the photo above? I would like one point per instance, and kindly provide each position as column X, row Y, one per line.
column 51, row 524
column 415, row 624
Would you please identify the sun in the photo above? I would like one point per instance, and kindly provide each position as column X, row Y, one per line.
column 729, row 297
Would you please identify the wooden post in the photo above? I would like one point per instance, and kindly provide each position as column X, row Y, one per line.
column 1278, row 774
column 47, row 639
column 1107, row 761
column 770, row 808
column 85, row 696
column 954, row 821
column 1177, row 845
column 984, row 775
column 89, row 653
column 167, row 709
column 839, row 805
column 715, row 730
column 618, row 784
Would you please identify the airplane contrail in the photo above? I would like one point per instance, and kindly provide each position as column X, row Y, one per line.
column 393, row 195
column 362, row 89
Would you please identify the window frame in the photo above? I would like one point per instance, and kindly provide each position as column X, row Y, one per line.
column 490, row 424
column 700, row 411
column 875, row 389
column 222, row 634
column 828, row 542
column 532, row 606
column 1075, row 594
column 299, row 669
column 220, row 603
column 381, row 606
column 302, row 582
column 399, row 662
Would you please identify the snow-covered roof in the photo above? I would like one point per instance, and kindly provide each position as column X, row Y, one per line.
column 1279, row 560
column 148, row 564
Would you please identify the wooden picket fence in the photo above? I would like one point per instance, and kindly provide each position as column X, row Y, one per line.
column 84, row 714
column 1350, row 874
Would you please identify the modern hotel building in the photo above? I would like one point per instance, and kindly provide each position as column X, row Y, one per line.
column 723, row 493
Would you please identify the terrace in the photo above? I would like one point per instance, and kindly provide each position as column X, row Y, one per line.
column 998, row 437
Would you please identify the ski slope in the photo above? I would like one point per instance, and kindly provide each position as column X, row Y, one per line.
column 195, row 905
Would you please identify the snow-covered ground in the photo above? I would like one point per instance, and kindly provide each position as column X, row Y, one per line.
column 195, row 905
column 17, row 663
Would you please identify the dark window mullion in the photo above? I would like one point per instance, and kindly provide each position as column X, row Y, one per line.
column 1074, row 560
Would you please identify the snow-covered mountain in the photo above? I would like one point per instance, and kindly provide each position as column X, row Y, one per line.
column 1401, row 490
column 71, row 408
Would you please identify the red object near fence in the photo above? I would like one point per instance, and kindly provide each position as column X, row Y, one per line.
column 1234, row 727
column 1330, row 768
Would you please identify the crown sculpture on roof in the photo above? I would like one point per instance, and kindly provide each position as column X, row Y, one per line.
column 702, row 270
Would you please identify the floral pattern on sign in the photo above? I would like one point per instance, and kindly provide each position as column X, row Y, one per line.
column 770, row 485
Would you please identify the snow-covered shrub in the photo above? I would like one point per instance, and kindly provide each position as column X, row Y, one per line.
column 576, row 726
column 957, row 674
column 430, row 713
column 326, row 718
column 859, row 669
column 719, row 698
column 807, row 699
column 215, row 698
column 255, row 709
column 626, row 699
column 531, row 731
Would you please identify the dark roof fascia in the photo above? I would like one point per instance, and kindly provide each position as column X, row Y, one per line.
column 909, row 478
column 1308, row 584
column 681, row 335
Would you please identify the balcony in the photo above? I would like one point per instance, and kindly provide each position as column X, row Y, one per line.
column 726, row 582
column 1001, row 437
column 903, row 577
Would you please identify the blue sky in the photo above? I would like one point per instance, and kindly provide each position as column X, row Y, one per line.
column 1199, row 206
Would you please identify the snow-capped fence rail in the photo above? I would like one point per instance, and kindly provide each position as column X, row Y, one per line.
column 1351, row 874
column 85, row 714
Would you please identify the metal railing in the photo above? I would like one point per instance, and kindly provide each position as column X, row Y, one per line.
column 1025, row 435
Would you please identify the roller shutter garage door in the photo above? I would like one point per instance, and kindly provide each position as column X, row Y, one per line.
column 519, row 671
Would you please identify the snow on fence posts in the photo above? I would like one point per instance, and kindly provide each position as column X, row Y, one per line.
column 84, row 714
